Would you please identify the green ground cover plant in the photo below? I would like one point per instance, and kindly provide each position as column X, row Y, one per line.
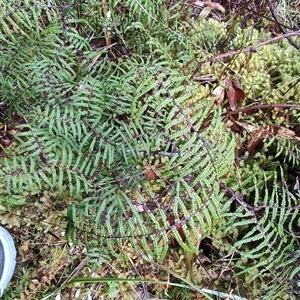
column 153, row 143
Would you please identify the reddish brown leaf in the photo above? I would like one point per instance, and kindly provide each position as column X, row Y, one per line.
column 265, row 132
column 234, row 93
column 151, row 172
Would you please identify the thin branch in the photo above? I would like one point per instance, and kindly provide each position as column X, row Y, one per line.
column 243, row 50
column 262, row 106
column 280, row 26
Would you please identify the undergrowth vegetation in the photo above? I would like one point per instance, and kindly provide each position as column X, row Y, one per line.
column 162, row 138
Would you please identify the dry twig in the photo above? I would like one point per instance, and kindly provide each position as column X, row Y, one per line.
column 243, row 50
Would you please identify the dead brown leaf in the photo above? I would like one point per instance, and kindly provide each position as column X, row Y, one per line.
column 234, row 92
column 265, row 132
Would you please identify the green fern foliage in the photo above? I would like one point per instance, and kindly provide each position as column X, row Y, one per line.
column 92, row 126
column 267, row 242
column 110, row 117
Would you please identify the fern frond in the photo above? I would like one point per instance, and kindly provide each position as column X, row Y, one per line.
column 109, row 117
column 268, row 239
column 195, row 198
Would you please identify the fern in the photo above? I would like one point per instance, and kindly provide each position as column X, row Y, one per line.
column 266, row 219
column 82, row 152
column 94, row 133
column 98, row 123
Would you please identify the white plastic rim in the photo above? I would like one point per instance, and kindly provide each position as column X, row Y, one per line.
column 8, row 255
